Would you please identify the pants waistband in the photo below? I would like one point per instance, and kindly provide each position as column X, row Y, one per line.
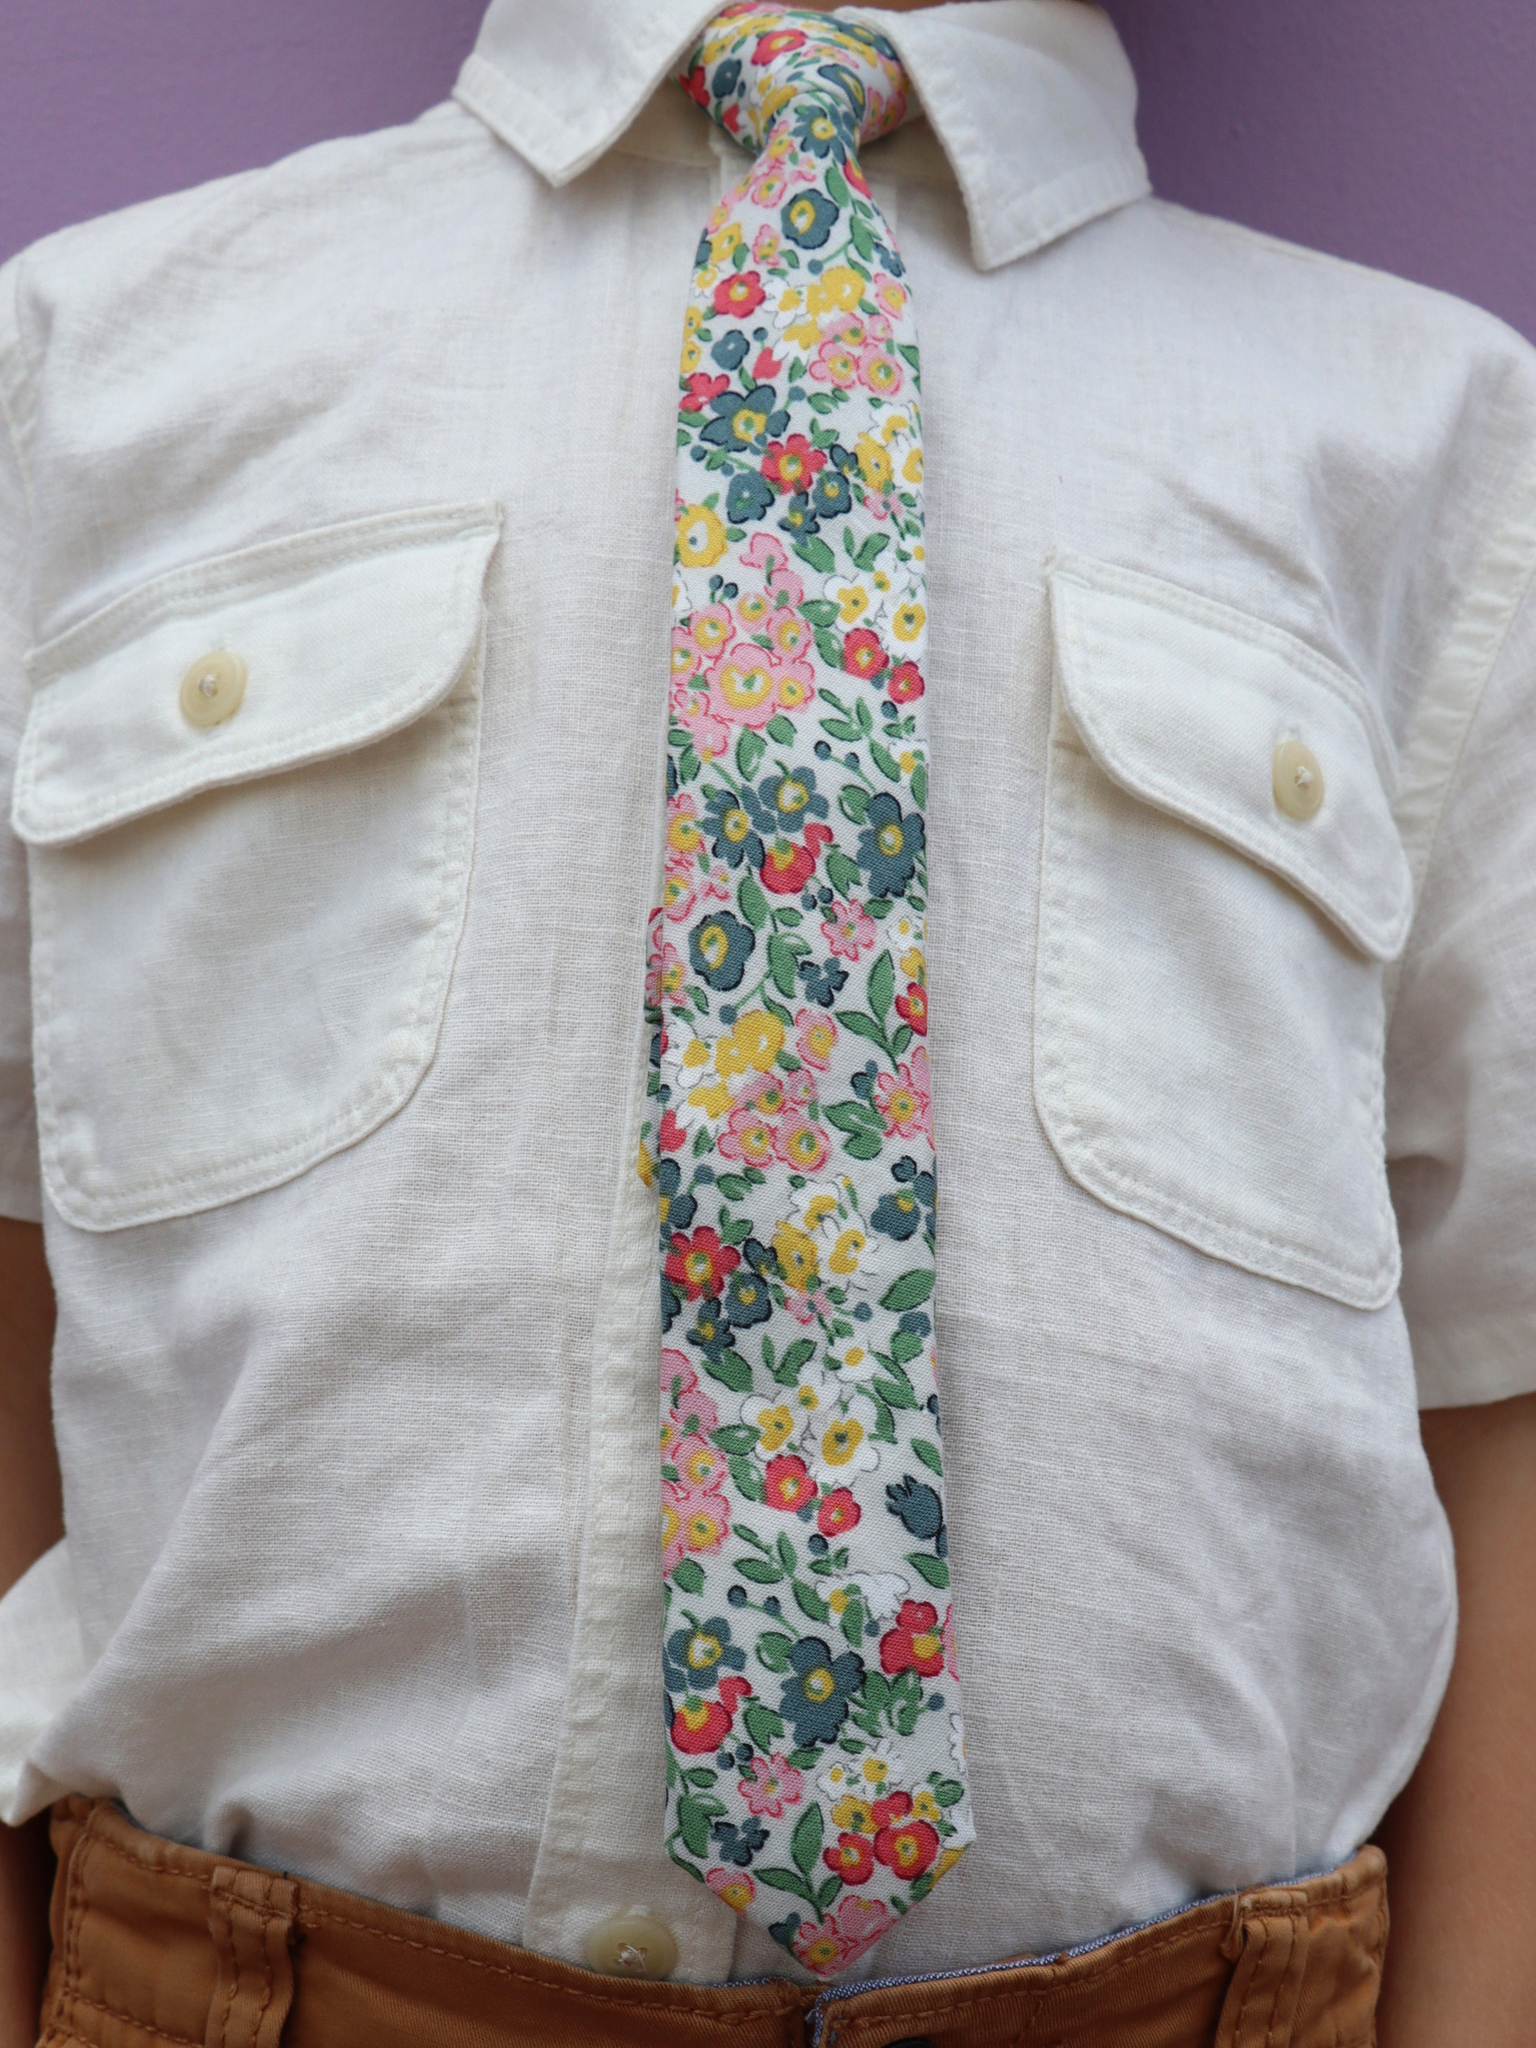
column 161, row 1946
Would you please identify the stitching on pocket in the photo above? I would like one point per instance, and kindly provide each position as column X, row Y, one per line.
column 152, row 1197
column 251, row 572
column 1061, row 1070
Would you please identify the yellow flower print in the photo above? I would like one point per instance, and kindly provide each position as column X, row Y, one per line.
column 874, row 461
column 854, row 1816
column 845, row 1253
column 700, row 537
column 908, row 620
column 914, row 966
column 754, row 1041
column 693, row 355
column 837, row 290
column 645, row 1165
column 797, row 1257
column 723, row 246
column 926, row 1807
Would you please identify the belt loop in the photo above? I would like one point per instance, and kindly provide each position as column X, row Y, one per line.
column 251, row 1923
column 1269, row 1937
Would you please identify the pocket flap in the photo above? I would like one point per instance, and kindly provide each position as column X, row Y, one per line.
column 1183, row 702
column 347, row 633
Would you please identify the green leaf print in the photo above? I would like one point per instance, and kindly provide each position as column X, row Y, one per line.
column 805, row 1842
column 731, row 1370
column 929, row 1454
column 911, row 1290
column 882, row 984
column 754, row 904
column 693, row 1824
column 763, row 1725
column 773, row 1650
column 781, row 965
column 933, row 1569
column 687, row 1574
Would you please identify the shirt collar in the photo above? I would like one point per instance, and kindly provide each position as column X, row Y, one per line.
column 1033, row 101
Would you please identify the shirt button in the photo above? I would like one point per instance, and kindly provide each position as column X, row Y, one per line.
column 632, row 1945
column 1298, row 780
column 212, row 688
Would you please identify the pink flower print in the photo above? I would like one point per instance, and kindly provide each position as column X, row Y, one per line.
column 807, row 1308
column 849, row 1931
column 877, row 507
column 686, row 659
column 771, row 1784
column 904, row 1100
column 666, row 972
column 801, row 1144
column 743, row 685
column 736, row 1887
column 752, row 609
column 701, row 1465
column 678, row 1376
column 710, row 629
column 685, row 836
column 888, row 295
column 789, row 633
column 848, row 928
column 800, row 1088
column 748, row 1136
column 880, row 372
column 711, row 736
column 694, row 1522
column 765, row 246
column 770, row 557
column 792, row 691
column 678, row 893
column 766, row 190
column 860, row 331
column 716, row 883
column 815, row 1037
column 836, row 363
column 690, row 1411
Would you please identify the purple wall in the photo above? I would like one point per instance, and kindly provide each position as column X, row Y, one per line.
column 1397, row 132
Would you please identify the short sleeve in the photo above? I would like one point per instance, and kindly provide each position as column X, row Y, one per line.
column 19, row 1179
column 1461, row 1055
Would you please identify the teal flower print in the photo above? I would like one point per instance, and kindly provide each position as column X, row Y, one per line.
column 719, row 948
column 808, row 219
column 790, row 798
column 695, row 1657
column 889, row 845
column 731, row 837
column 816, row 1698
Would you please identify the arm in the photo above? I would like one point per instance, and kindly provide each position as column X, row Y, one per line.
column 31, row 1521
column 1461, row 1837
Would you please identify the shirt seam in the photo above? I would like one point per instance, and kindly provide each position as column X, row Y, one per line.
column 1469, row 657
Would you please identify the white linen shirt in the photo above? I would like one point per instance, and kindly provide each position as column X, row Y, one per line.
column 333, row 1011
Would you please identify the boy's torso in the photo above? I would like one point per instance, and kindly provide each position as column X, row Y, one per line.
column 340, row 1063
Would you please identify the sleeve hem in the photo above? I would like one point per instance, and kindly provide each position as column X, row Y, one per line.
column 43, row 1662
column 1493, row 1361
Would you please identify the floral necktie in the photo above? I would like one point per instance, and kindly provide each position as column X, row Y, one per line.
column 816, row 1760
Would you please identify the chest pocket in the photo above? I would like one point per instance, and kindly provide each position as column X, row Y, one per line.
column 1208, row 1004
column 248, row 792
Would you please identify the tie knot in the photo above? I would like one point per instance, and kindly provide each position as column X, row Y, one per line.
column 822, row 86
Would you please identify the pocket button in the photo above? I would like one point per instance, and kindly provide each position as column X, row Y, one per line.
column 632, row 1945
column 212, row 688
column 1298, row 780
